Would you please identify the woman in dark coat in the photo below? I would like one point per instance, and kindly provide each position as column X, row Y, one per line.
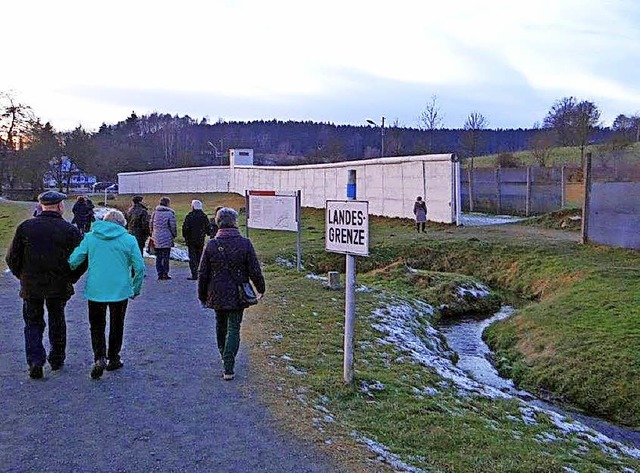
column 228, row 261
column 420, row 211
column 83, row 213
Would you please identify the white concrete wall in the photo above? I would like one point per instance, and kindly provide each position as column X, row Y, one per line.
column 391, row 185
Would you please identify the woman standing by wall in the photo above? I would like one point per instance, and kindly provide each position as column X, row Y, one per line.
column 420, row 211
column 228, row 261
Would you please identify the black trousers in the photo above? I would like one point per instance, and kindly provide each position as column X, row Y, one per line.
column 34, row 324
column 98, row 323
column 141, row 242
column 195, row 253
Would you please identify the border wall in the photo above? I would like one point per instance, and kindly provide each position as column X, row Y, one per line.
column 390, row 185
column 613, row 210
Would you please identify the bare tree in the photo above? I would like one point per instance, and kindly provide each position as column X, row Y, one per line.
column 573, row 122
column 431, row 119
column 471, row 143
column 15, row 122
column 541, row 145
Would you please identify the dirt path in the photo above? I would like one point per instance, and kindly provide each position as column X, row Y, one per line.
column 166, row 410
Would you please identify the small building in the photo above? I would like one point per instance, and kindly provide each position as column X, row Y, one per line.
column 241, row 157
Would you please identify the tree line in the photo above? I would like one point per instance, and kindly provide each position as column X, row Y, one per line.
column 29, row 148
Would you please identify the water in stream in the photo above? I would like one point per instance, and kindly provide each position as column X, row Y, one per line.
column 465, row 337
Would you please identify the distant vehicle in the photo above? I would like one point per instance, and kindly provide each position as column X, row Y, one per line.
column 112, row 188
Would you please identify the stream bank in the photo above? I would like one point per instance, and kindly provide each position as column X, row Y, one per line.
column 464, row 336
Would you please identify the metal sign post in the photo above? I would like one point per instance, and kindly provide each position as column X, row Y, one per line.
column 347, row 231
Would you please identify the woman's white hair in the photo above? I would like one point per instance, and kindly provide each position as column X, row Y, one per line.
column 226, row 218
column 115, row 216
column 196, row 205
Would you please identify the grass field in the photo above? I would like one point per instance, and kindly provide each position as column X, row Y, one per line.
column 576, row 336
column 569, row 155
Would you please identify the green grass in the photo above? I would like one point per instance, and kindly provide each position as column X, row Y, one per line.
column 11, row 214
column 568, row 155
column 576, row 334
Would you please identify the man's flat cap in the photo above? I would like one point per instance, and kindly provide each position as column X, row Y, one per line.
column 51, row 197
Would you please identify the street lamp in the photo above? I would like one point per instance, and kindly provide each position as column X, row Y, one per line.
column 217, row 154
column 381, row 135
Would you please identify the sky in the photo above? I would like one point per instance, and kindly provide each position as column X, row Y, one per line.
column 337, row 61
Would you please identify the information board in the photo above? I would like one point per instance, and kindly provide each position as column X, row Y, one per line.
column 347, row 227
column 271, row 210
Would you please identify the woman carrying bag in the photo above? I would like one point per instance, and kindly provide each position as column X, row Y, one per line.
column 228, row 262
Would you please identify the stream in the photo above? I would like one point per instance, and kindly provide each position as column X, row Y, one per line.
column 465, row 337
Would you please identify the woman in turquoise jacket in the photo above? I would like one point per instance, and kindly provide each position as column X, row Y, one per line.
column 115, row 274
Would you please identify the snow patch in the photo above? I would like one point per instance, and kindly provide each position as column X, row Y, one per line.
column 385, row 455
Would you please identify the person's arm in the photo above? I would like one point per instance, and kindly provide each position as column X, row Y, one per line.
column 137, row 263
column 255, row 271
column 173, row 225
column 204, row 273
column 185, row 229
column 15, row 253
column 79, row 255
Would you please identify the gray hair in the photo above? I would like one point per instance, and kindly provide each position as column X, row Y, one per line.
column 196, row 205
column 226, row 218
column 115, row 216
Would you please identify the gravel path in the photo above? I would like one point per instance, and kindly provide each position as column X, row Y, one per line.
column 166, row 410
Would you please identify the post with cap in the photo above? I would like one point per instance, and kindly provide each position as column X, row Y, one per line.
column 349, row 296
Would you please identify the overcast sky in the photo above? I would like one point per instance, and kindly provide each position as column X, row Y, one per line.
column 339, row 61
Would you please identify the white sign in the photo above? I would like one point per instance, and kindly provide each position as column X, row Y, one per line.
column 271, row 210
column 347, row 227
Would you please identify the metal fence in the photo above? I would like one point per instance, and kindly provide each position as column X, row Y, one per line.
column 517, row 191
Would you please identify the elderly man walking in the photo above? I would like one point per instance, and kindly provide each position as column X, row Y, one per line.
column 195, row 228
column 38, row 257
column 163, row 231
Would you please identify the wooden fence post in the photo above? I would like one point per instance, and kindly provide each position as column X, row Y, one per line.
column 528, row 203
column 563, row 187
column 498, row 191
column 587, row 199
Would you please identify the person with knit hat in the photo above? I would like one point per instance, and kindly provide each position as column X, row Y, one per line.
column 138, row 221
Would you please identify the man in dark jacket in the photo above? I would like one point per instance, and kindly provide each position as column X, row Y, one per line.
column 138, row 221
column 195, row 228
column 38, row 257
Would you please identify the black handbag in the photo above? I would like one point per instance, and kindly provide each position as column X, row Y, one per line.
column 247, row 296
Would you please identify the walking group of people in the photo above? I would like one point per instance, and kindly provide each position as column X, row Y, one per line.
column 49, row 255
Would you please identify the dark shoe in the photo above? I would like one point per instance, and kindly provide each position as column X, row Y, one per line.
column 167, row 276
column 192, row 278
column 98, row 368
column 114, row 365
column 56, row 365
column 36, row 372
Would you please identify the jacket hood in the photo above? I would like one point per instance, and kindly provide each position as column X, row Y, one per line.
column 162, row 208
column 107, row 230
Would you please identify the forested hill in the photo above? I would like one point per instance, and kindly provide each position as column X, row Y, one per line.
column 159, row 141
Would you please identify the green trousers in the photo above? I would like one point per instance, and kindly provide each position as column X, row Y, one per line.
column 228, row 336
